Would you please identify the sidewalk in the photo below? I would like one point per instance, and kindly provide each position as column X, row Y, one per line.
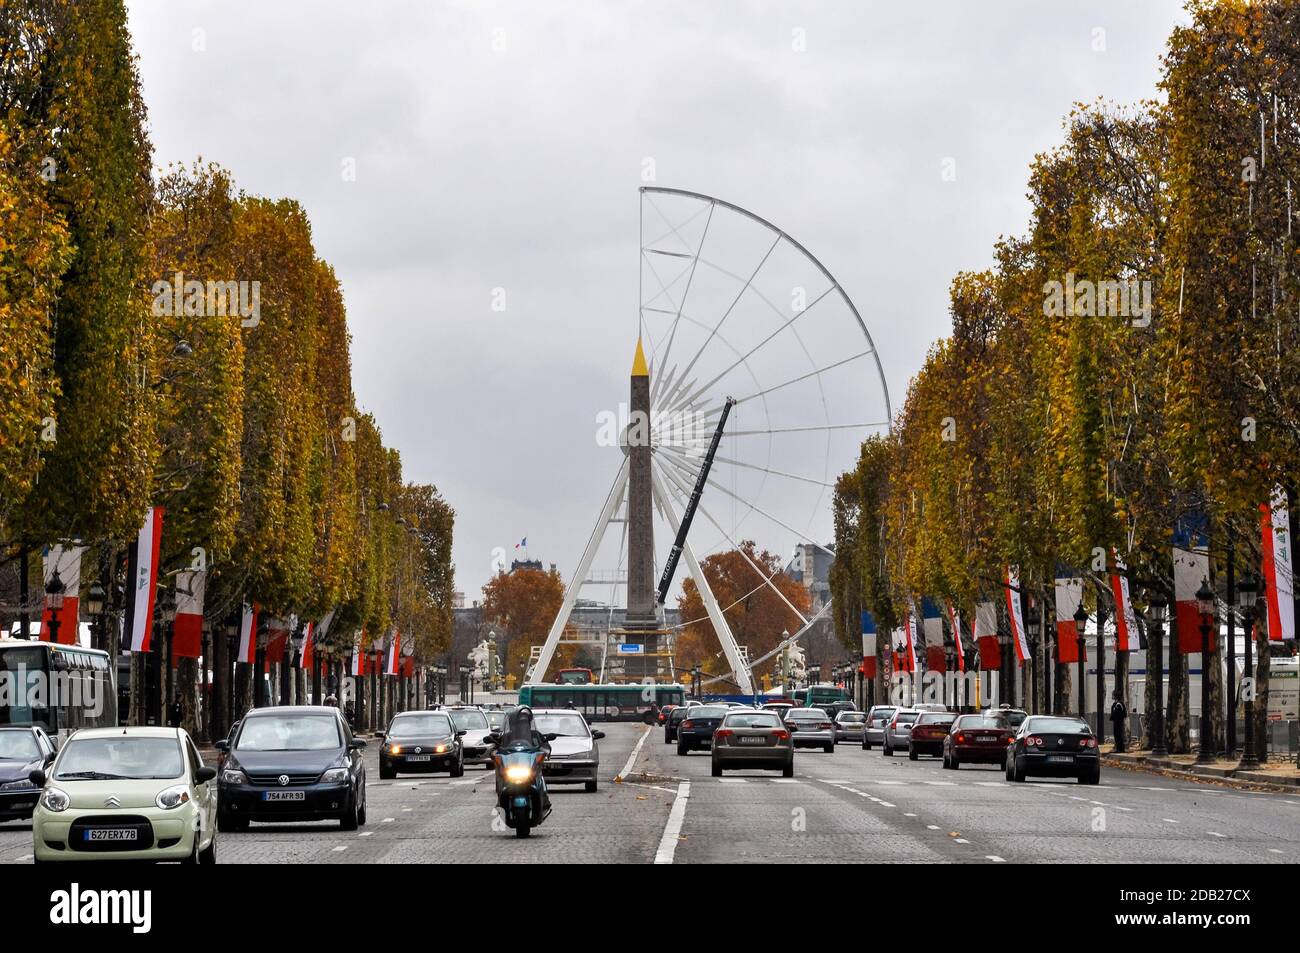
column 1275, row 775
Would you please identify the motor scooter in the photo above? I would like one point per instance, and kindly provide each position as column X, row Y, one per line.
column 521, row 789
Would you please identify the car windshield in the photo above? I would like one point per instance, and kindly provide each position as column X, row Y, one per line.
column 496, row 720
column 289, row 733
column 882, row 713
column 1065, row 725
column 708, row 712
column 1013, row 718
column 120, row 756
column 753, row 719
column 806, row 714
column 18, row 746
column 851, row 716
column 936, row 718
column 564, row 725
column 679, row 714
column 469, row 720
column 433, row 723
column 906, row 717
column 970, row 722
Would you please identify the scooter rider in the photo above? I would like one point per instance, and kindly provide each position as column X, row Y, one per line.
column 521, row 732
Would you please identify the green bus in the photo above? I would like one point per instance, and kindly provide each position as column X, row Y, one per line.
column 817, row 695
column 604, row 702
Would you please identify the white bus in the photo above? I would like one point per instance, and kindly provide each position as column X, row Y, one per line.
column 59, row 687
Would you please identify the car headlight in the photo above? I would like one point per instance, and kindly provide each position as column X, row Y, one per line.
column 441, row 749
column 173, row 797
column 233, row 776
column 394, row 749
column 55, row 800
column 519, row 773
column 334, row 776
column 22, row 784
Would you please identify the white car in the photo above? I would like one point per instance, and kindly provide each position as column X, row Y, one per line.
column 475, row 743
column 811, row 728
column 575, row 756
column 126, row 794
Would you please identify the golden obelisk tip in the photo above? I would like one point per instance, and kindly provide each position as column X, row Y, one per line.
column 639, row 366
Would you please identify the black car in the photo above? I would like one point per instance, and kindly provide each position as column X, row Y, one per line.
column 421, row 741
column 22, row 751
column 1055, row 747
column 697, row 728
column 292, row 763
column 674, row 720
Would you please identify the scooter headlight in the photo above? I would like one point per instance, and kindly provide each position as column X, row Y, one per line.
column 519, row 773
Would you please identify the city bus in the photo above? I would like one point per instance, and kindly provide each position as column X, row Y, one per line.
column 604, row 702
column 574, row 676
column 59, row 687
column 815, row 696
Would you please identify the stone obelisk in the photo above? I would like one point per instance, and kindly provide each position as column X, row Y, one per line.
column 641, row 615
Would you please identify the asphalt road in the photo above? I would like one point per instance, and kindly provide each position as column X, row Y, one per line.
column 850, row 806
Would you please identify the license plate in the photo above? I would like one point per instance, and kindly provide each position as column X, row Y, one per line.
column 282, row 796
column 987, row 738
column 753, row 740
column 1061, row 758
column 418, row 757
column 113, row 833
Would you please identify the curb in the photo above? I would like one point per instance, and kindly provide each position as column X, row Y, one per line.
column 1249, row 780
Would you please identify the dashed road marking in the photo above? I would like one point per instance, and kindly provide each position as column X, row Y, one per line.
column 1216, row 834
column 340, row 848
column 995, row 858
column 631, row 758
column 1168, row 820
column 673, row 829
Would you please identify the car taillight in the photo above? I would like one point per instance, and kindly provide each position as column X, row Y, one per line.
column 781, row 734
column 825, row 724
column 961, row 736
column 1087, row 742
column 1033, row 740
column 723, row 733
column 688, row 724
column 1011, row 739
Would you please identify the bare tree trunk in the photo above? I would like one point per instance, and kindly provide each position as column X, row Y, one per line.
column 1150, row 694
column 1262, row 665
column 186, row 683
column 1178, row 736
column 1216, row 722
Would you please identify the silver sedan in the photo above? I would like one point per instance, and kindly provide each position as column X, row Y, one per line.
column 898, row 732
column 877, row 718
column 811, row 728
column 850, row 725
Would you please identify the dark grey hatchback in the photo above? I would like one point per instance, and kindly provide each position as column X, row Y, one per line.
column 292, row 763
column 696, row 730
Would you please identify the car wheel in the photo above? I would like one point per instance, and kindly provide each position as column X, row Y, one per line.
column 830, row 748
column 193, row 859
column 458, row 769
column 361, row 815
column 866, row 745
column 886, row 750
column 1091, row 777
column 682, row 749
column 788, row 770
column 209, row 854
column 716, row 769
column 230, row 825
column 590, row 787
column 954, row 762
column 348, row 822
column 1018, row 772
column 911, row 753
column 386, row 773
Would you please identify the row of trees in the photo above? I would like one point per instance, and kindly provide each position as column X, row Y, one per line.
column 1065, row 421
column 235, row 412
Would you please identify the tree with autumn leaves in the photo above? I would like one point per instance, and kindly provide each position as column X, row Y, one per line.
column 1044, row 438
column 245, row 430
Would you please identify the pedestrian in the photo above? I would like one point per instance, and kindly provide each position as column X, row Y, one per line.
column 175, row 712
column 1118, row 718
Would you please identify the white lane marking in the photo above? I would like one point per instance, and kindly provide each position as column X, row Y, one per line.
column 908, row 814
column 1168, row 820
column 1216, row 834
column 961, row 840
column 885, row 804
column 387, row 820
column 731, row 780
column 340, row 848
column 30, row 856
column 786, row 781
column 1128, row 809
column 673, row 829
column 631, row 758
column 933, row 827
column 891, row 782
column 408, row 809
column 1271, row 850
column 992, row 784
column 366, row 834
column 941, row 783
column 995, row 858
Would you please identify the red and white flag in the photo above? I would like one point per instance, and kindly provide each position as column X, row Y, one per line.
column 909, row 638
column 142, row 567
column 986, row 636
column 1126, row 630
column 1069, row 593
column 187, row 630
column 67, row 561
column 308, row 658
column 1011, row 587
column 358, row 665
column 1191, row 568
column 954, row 620
column 277, row 638
column 408, row 667
column 1279, row 578
column 248, row 634
column 394, row 653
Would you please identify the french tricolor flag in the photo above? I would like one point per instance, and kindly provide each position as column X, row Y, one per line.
column 394, row 653
column 1069, row 594
column 308, row 659
column 1191, row 568
column 66, row 560
column 986, row 636
column 1011, row 586
column 1126, row 630
column 142, row 567
column 932, row 633
column 868, row 668
column 1279, row 578
column 248, row 634
column 954, row 620
column 187, row 630
column 909, row 638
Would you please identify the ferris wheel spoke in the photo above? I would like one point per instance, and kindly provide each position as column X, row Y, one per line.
column 772, row 470
column 674, row 230
column 673, row 479
column 813, row 429
column 660, row 359
column 799, row 534
column 803, row 377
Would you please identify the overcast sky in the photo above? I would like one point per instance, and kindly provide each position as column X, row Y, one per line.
column 501, row 145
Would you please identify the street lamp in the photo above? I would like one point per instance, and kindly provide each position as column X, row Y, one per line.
column 1158, row 610
column 54, row 593
column 1080, row 623
column 1248, row 591
column 1033, row 625
column 1205, row 606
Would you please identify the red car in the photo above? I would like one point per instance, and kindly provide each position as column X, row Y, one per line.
column 978, row 739
column 929, row 733
column 662, row 717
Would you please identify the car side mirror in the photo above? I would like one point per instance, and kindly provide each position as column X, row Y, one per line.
column 204, row 774
column 381, row 735
column 356, row 744
column 223, row 745
column 461, row 734
column 37, row 777
column 550, row 736
column 597, row 735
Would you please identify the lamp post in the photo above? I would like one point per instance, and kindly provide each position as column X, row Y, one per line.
column 95, row 599
column 1205, row 605
column 1101, row 665
column 1080, row 623
column 167, row 610
column 1248, row 591
column 1157, row 609
column 1033, row 625
column 1004, row 644
column 695, row 681
column 55, row 591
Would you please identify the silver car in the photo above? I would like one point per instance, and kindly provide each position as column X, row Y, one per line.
column 478, row 748
column 877, row 718
column 811, row 728
column 898, row 732
column 574, row 757
column 850, row 725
